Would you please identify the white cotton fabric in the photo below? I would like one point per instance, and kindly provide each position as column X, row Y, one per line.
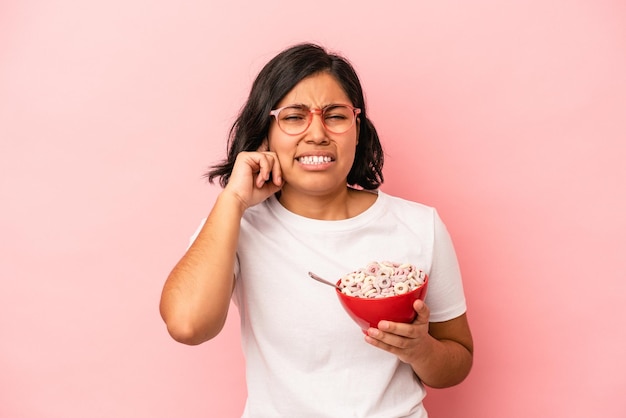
column 305, row 357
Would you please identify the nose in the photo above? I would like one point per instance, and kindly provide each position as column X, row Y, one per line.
column 317, row 131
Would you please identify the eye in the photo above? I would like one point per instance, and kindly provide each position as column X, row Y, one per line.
column 335, row 116
column 293, row 114
column 337, row 113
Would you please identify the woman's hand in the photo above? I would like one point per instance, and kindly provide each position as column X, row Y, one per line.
column 407, row 341
column 255, row 176
column 440, row 353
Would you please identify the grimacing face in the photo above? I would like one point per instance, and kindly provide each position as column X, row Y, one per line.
column 316, row 161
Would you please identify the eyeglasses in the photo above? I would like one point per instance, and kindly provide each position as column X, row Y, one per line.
column 295, row 119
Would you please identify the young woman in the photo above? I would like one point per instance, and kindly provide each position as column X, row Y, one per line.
column 300, row 193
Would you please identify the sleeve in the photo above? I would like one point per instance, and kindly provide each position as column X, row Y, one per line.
column 445, row 296
column 195, row 234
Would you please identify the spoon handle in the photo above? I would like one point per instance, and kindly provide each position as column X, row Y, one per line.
column 319, row 279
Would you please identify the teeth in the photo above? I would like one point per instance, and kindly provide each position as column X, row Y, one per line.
column 314, row 159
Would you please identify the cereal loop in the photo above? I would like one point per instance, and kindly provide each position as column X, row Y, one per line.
column 401, row 288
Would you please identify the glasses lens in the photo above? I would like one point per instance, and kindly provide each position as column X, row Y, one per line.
column 338, row 118
column 294, row 119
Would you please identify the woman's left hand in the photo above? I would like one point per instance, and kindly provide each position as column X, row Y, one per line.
column 406, row 341
column 440, row 353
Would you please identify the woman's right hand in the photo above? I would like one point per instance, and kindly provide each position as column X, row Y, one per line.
column 255, row 177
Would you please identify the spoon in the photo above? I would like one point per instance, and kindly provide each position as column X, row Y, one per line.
column 319, row 279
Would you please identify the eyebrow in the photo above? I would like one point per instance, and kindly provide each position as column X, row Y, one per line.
column 297, row 105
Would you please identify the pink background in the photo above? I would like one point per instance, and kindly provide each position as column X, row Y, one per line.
column 509, row 117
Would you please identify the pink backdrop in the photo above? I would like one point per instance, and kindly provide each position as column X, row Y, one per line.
column 507, row 116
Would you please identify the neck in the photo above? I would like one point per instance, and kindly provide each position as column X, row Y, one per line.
column 342, row 204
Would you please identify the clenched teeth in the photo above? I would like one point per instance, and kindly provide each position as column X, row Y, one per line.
column 314, row 159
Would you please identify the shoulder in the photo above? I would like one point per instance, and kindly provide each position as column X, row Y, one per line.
column 402, row 205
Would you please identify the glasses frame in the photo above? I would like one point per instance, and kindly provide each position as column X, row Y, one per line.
column 355, row 112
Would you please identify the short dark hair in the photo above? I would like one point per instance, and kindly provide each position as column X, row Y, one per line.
column 279, row 76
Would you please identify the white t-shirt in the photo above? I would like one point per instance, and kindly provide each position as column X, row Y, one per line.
column 305, row 357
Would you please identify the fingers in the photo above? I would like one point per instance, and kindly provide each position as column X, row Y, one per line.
column 393, row 336
column 423, row 312
column 255, row 176
column 269, row 168
column 407, row 330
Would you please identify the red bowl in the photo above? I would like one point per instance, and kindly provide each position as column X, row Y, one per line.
column 367, row 312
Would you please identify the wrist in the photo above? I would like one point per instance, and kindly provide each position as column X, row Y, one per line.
column 232, row 200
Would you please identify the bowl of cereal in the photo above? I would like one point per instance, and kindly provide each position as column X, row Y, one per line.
column 382, row 290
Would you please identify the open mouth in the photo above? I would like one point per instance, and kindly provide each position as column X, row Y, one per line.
column 314, row 159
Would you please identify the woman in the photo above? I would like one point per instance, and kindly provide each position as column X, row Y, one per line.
column 300, row 194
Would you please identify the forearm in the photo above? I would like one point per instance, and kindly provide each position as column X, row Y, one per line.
column 443, row 364
column 196, row 295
